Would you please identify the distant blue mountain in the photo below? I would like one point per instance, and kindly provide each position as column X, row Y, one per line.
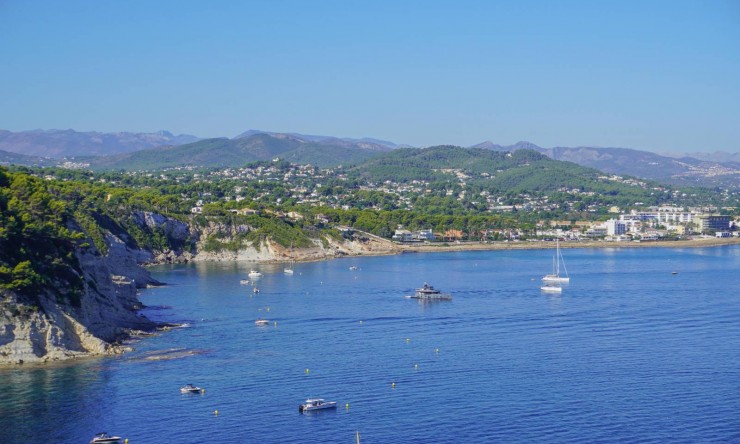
column 70, row 143
column 316, row 138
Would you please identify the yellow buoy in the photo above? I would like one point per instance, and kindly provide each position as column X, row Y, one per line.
column 215, row 412
column 307, row 371
column 360, row 322
column 408, row 340
column 125, row 441
column 393, row 385
column 202, row 390
column 346, row 406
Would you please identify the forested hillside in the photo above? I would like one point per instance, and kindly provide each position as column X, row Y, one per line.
column 223, row 153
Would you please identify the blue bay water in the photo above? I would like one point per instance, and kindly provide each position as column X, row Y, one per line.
column 629, row 352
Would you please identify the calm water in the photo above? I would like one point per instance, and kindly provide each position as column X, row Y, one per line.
column 628, row 353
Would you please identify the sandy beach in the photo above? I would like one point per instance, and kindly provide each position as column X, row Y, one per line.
column 534, row 245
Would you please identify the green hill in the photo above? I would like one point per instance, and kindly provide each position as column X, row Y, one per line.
column 221, row 153
column 501, row 173
column 525, row 169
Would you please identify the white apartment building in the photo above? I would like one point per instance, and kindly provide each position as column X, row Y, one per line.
column 615, row 227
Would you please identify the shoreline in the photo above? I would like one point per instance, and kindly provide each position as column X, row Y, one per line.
column 547, row 245
column 389, row 248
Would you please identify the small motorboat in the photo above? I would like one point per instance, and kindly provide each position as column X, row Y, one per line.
column 261, row 322
column 254, row 274
column 104, row 438
column 428, row 293
column 353, row 268
column 244, row 281
column 316, row 404
column 255, row 290
column 190, row 388
column 549, row 288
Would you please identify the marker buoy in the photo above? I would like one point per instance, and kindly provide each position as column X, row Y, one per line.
column 307, row 371
column 393, row 385
column 408, row 340
column 346, row 406
column 215, row 413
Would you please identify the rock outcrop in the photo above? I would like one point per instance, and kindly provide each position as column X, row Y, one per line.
column 102, row 314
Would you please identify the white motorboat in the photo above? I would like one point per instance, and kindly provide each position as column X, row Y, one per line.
column 255, row 290
column 551, row 288
column 104, row 438
column 556, row 261
column 254, row 274
column 353, row 268
column 190, row 388
column 261, row 322
column 427, row 292
column 244, row 281
column 316, row 404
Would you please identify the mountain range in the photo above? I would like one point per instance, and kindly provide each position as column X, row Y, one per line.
column 70, row 143
column 245, row 148
column 133, row 151
column 685, row 170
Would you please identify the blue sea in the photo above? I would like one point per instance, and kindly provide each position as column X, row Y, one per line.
column 642, row 346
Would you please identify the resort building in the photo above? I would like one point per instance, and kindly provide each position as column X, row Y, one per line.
column 615, row 227
column 710, row 222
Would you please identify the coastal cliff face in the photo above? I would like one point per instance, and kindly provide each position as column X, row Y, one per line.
column 323, row 247
column 103, row 312
column 269, row 251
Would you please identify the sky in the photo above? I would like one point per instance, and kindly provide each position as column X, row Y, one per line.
column 662, row 76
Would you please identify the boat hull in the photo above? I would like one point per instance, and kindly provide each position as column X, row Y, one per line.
column 433, row 297
column 551, row 289
column 551, row 278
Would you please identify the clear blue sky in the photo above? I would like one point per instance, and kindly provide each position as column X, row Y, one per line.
column 655, row 75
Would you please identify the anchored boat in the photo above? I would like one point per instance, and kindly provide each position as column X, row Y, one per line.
column 104, row 438
column 190, row 388
column 316, row 404
column 427, row 292
column 556, row 261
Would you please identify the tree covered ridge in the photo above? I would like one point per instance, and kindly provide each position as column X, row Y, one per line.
column 37, row 239
column 43, row 223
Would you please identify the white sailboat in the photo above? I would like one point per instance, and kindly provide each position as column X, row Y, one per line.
column 556, row 261
column 289, row 269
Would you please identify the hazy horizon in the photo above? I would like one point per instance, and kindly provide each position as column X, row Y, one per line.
column 659, row 77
